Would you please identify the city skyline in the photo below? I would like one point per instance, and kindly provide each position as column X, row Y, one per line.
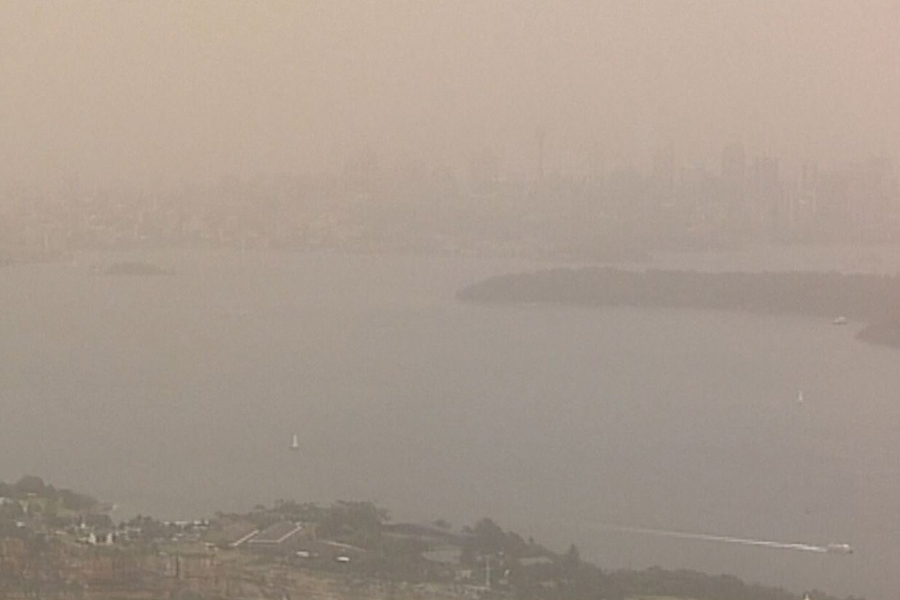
column 367, row 205
column 168, row 91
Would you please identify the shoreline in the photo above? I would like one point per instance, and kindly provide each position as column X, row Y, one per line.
column 346, row 539
column 869, row 299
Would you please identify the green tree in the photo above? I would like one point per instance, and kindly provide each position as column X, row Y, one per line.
column 489, row 537
column 572, row 558
column 30, row 484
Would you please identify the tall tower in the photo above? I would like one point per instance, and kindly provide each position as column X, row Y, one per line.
column 734, row 186
column 734, row 165
column 541, row 136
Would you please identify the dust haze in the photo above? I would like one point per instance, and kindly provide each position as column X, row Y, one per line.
column 173, row 90
column 620, row 275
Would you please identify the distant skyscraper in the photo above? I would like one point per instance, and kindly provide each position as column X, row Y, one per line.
column 664, row 169
column 766, row 194
column 734, row 165
column 485, row 171
column 809, row 189
column 362, row 170
column 541, row 136
column 734, row 186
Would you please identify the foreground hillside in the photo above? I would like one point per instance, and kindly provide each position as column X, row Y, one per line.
column 55, row 543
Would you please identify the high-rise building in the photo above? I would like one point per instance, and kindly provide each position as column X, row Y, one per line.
column 541, row 137
column 765, row 195
column 734, row 187
column 664, row 170
column 807, row 199
column 485, row 172
column 734, row 164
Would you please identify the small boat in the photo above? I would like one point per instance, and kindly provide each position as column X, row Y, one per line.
column 295, row 443
column 842, row 320
column 800, row 397
column 839, row 548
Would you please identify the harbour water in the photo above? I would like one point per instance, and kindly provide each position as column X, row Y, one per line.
column 179, row 396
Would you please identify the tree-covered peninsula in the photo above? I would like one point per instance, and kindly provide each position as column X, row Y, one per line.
column 857, row 297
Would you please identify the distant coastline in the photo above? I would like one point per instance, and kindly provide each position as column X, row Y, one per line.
column 867, row 298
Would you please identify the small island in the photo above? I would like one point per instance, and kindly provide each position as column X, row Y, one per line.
column 835, row 296
column 135, row 269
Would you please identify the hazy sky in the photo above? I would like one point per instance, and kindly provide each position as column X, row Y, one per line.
column 143, row 90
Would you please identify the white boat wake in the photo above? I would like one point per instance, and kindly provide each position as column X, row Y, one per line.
column 722, row 539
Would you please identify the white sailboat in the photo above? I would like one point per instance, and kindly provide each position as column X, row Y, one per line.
column 295, row 442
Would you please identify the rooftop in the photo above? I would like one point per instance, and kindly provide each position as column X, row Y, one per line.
column 277, row 533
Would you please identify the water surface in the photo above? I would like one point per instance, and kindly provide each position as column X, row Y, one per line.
column 177, row 396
